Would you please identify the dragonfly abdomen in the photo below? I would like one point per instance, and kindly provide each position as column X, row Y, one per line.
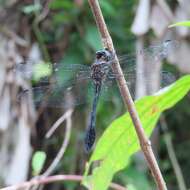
column 89, row 138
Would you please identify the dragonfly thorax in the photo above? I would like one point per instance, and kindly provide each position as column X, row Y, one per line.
column 101, row 66
column 99, row 72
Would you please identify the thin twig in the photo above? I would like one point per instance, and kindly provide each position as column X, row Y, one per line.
column 38, row 33
column 50, row 169
column 53, row 165
column 144, row 141
column 50, row 179
column 65, row 142
column 10, row 34
column 172, row 156
column 64, row 117
column 44, row 12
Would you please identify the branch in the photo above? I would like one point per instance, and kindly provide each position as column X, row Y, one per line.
column 50, row 179
column 143, row 140
column 172, row 155
column 50, row 169
column 67, row 117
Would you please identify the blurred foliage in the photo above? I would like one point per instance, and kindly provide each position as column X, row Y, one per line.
column 68, row 34
column 183, row 23
column 41, row 70
column 29, row 9
column 38, row 160
column 178, row 124
column 136, row 178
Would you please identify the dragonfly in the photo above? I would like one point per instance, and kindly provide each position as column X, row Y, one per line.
column 71, row 82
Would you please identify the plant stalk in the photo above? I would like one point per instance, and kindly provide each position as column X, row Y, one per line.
column 143, row 140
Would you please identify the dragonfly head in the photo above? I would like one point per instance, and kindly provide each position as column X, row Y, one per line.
column 104, row 55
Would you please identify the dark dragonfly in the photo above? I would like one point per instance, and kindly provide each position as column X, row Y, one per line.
column 99, row 71
column 69, row 83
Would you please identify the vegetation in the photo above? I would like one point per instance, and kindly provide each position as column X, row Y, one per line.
column 66, row 32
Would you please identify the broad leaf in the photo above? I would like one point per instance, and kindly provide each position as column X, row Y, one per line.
column 183, row 23
column 31, row 8
column 41, row 70
column 107, row 8
column 92, row 38
column 57, row 4
column 119, row 141
column 38, row 161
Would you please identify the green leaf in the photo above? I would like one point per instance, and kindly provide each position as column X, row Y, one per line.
column 183, row 23
column 92, row 38
column 38, row 162
column 131, row 187
column 138, row 178
column 107, row 8
column 57, row 4
column 31, row 8
column 62, row 17
column 120, row 141
column 41, row 70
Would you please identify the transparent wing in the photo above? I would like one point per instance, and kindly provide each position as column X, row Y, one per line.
column 76, row 72
column 73, row 80
column 65, row 96
column 110, row 88
column 67, row 86
column 71, row 67
column 59, row 72
column 151, row 54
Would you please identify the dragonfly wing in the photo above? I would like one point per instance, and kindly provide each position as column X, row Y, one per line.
column 62, row 73
column 110, row 88
column 58, row 72
column 23, row 70
column 76, row 72
column 152, row 54
column 65, row 96
column 166, row 77
column 159, row 52
column 71, row 67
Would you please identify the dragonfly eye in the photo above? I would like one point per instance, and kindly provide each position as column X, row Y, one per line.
column 103, row 54
column 100, row 54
